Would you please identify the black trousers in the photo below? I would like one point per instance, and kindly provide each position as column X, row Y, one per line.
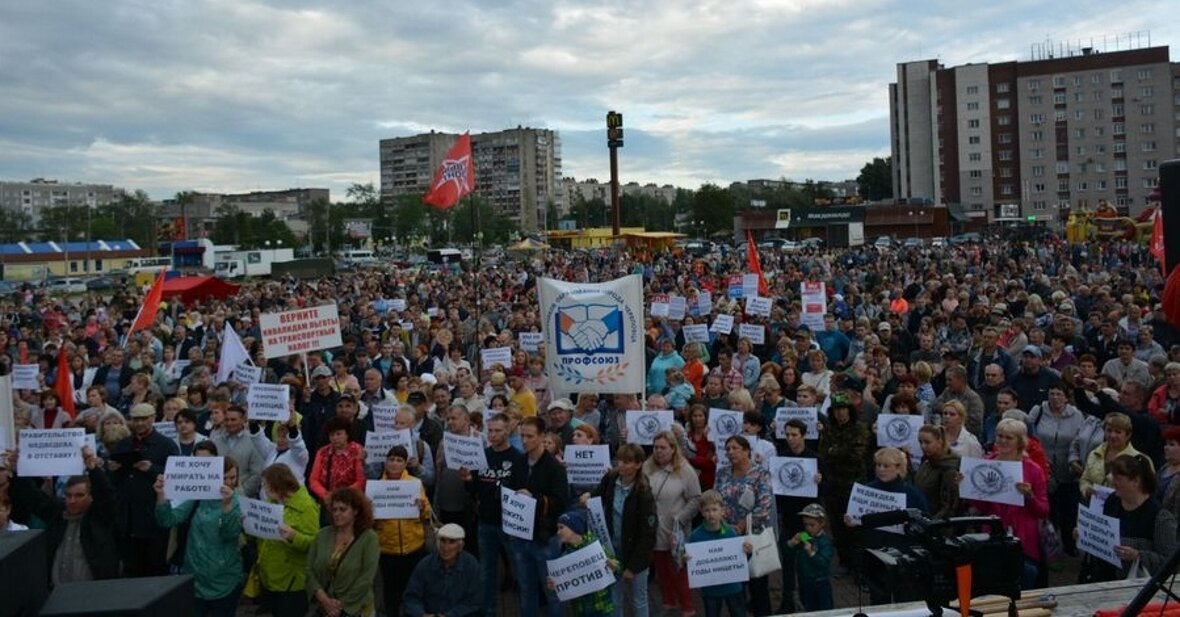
column 146, row 556
column 395, row 575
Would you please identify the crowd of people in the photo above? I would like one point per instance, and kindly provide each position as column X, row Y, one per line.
column 1055, row 355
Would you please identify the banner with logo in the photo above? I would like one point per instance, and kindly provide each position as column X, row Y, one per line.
column 593, row 335
column 815, row 304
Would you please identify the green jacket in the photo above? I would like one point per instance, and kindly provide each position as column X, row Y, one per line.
column 353, row 582
column 282, row 565
column 211, row 554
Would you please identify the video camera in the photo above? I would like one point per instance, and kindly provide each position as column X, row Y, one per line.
column 927, row 568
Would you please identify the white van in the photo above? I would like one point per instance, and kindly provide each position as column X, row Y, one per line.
column 358, row 257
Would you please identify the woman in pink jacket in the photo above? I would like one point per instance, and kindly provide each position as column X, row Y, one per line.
column 1024, row 520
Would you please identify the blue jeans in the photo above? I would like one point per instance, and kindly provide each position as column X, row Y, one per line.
column 532, row 575
column 735, row 602
column 491, row 537
column 638, row 589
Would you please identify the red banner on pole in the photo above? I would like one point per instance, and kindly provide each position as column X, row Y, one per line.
column 454, row 178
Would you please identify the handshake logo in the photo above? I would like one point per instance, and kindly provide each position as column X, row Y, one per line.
column 589, row 328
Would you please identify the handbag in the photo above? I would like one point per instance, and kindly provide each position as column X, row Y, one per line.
column 764, row 556
column 1052, row 550
column 676, row 545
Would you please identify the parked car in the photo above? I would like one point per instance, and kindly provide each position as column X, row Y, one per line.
column 884, row 242
column 912, row 243
column 812, row 243
column 8, row 287
column 938, row 242
column 102, row 283
column 66, row 286
column 964, row 238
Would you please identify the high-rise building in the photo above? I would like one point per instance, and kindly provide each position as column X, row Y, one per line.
column 35, row 195
column 1029, row 140
column 517, row 170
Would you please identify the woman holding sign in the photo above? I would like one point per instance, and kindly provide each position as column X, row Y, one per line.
column 1147, row 531
column 746, row 493
column 340, row 464
column 282, row 564
column 211, row 555
column 403, row 540
column 677, row 492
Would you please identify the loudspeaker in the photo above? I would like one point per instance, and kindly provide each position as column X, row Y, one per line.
column 24, row 575
column 123, row 597
column 1170, row 207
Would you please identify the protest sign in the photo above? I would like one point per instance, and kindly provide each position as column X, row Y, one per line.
column 716, row 562
column 734, row 286
column 815, row 304
column 377, row 445
column 394, row 498
column 899, row 431
column 495, row 355
column 261, row 519
column 696, row 333
column 755, row 332
column 518, row 514
column 750, row 284
column 246, row 374
column 809, row 416
column 1098, row 499
column 384, row 415
column 398, row 304
column 24, row 377
column 758, row 306
column 704, row 304
column 7, row 415
column 300, row 331
column 722, row 324
column 991, row 480
column 268, row 401
column 724, row 424
column 51, row 452
column 597, row 522
column 1098, row 534
column 581, row 572
column 677, row 307
column 193, row 477
column 586, row 465
column 659, row 309
column 531, row 341
column 643, row 426
column 165, row 428
column 865, row 500
column 794, row 476
column 465, row 452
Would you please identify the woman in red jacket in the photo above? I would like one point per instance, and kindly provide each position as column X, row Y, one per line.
column 339, row 464
column 700, row 451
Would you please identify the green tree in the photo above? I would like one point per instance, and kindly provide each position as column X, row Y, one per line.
column 325, row 225
column 713, row 210
column 474, row 212
column 813, row 190
column 590, row 213
column 875, row 181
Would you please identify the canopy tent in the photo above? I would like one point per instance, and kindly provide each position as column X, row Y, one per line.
column 529, row 244
column 193, row 288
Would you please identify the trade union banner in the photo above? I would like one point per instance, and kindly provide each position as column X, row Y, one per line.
column 300, row 331
column 593, row 335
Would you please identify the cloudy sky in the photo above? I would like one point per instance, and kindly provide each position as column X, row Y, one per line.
column 234, row 95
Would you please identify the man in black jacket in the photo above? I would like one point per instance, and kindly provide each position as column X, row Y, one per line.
column 80, row 532
column 545, row 480
column 135, row 462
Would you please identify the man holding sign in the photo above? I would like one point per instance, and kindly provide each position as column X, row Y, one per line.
column 545, row 480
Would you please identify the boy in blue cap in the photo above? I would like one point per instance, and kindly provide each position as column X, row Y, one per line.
column 574, row 532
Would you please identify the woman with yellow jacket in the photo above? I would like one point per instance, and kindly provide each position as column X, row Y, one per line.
column 1118, row 443
column 282, row 564
column 403, row 540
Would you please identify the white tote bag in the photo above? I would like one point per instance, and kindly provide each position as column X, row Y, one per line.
column 764, row 558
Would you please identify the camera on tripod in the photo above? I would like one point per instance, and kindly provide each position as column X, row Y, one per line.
column 926, row 568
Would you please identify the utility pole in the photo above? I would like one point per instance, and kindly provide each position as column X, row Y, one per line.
column 614, row 141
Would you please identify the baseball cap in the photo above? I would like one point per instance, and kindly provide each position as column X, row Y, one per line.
column 814, row 510
column 451, row 531
column 562, row 403
column 575, row 521
column 321, row 371
column 1032, row 349
column 142, row 410
column 884, row 325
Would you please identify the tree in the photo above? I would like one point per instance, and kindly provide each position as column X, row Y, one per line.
column 496, row 228
column 325, row 225
column 590, row 213
column 875, row 181
column 713, row 210
column 813, row 190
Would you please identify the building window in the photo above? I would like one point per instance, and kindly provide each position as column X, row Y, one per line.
column 1038, row 188
column 1005, row 155
column 1077, row 80
column 1149, row 146
column 1117, row 110
column 1147, row 109
column 1120, row 182
column 1144, row 74
column 1147, row 92
column 1081, row 150
column 1038, row 153
column 973, row 123
column 1149, row 183
column 1036, row 118
column 1099, row 131
column 1120, row 165
column 973, row 106
column 1096, row 78
column 973, row 140
column 1079, row 133
column 1059, row 115
column 1101, row 185
column 1005, row 172
column 73, row 267
column 975, row 173
column 1035, row 100
column 98, row 265
column 1147, row 128
column 1122, row 200
column 1116, row 76
column 1082, row 186
column 1038, row 171
column 974, row 156
column 1099, row 168
column 1079, row 114
column 1034, row 84
column 1118, row 128
column 1059, row 81
column 1004, row 120
column 1059, row 98
column 972, row 89
column 1005, row 138
column 1116, row 93
column 1006, row 189
column 1150, row 164
column 1062, row 167
column 976, row 191
column 1079, row 97
column 1038, row 135
column 1002, row 87
column 1063, row 186
column 1120, row 147
column 1003, row 103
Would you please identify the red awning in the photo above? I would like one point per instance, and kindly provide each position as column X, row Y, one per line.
column 194, row 288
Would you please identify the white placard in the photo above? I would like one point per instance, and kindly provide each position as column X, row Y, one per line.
column 597, row 522
column 809, row 416
column 581, row 572
column 394, row 499
column 531, row 341
column 24, row 377
column 7, row 417
column 398, row 304
column 755, row 332
column 1098, row 499
column 677, row 307
column 464, row 452
column 51, row 452
column 659, row 309
column 167, row 429
column 246, row 374
column 749, row 284
column 433, row 311
column 261, row 519
column 518, row 514
column 496, row 355
column 758, row 306
column 586, row 465
column 724, row 424
column 377, row 445
column 643, row 426
column 704, row 303
column 189, row 478
column 865, row 500
column 899, row 431
column 384, row 416
column 1098, row 534
column 696, row 333
column 794, row 476
column 716, row 562
column 300, row 331
column 722, row 324
column 268, row 401
column 991, row 480
column 814, row 298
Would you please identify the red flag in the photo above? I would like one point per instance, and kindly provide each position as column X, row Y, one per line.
column 1171, row 299
column 151, row 304
column 1157, row 238
column 64, row 386
column 755, row 264
column 454, row 178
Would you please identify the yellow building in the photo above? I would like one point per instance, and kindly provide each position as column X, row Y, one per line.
column 24, row 261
